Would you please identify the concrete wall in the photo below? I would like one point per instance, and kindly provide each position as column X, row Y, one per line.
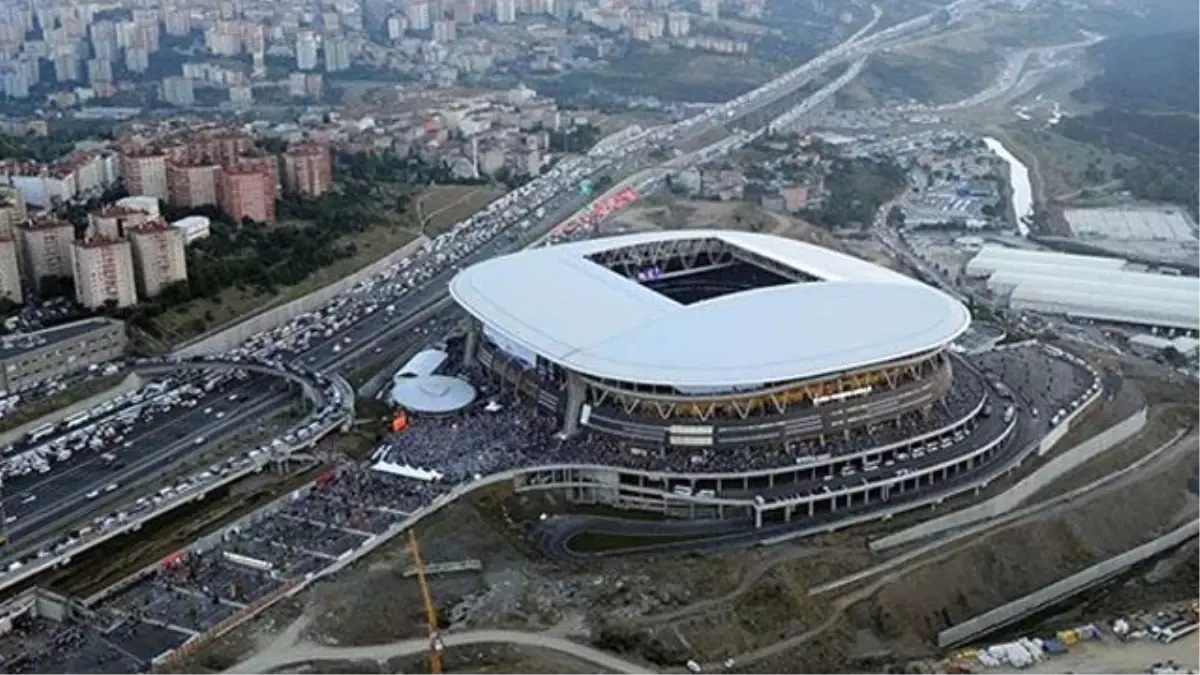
column 228, row 338
column 131, row 382
column 1013, row 497
column 1064, row 588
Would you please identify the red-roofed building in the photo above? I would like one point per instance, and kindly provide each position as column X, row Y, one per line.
column 307, row 169
column 248, row 191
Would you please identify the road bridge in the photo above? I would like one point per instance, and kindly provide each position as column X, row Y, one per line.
column 333, row 410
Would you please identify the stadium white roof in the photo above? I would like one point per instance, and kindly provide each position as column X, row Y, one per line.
column 573, row 312
column 432, row 393
column 1089, row 287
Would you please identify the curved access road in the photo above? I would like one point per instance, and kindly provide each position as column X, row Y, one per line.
column 274, row 658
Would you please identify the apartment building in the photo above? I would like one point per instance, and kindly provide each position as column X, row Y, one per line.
column 114, row 220
column 45, row 249
column 158, row 255
column 307, row 169
column 248, row 191
column 104, row 273
column 191, row 184
column 29, row 358
column 10, row 270
column 12, row 211
column 145, row 172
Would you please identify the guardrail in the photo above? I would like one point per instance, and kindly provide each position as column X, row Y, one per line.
column 248, row 466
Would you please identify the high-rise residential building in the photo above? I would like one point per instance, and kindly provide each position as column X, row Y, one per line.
column 301, row 85
column 45, row 248
column 103, row 36
column 419, row 14
column 396, row 25
column 66, row 67
column 10, row 270
column 444, row 30
column 16, row 84
column 104, row 273
column 99, row 70
column 464, row 12
column 114, row 221
column 145, row 173
column 137, row 59
column 159, row 256
column 679, row 24
column 306, row 50
column 506, row 11
column 12, row 210
column 192, row 184
column 178, row 22
column 179, row 91
column 248, row 191
column 219, row 147
column 337, row 54
column 307, row 169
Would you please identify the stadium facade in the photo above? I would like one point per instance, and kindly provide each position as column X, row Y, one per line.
column 709, row 338
column 736, row 375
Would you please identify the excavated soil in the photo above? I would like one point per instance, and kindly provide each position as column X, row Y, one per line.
column 1011, row 563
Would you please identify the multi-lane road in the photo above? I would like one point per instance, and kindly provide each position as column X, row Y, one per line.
column 378, row 337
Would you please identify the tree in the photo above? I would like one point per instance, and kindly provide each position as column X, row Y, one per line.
column 895, row 217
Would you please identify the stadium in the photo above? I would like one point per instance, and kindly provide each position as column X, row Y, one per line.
column 709, row 339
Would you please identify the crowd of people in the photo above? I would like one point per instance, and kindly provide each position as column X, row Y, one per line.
column 481, row 442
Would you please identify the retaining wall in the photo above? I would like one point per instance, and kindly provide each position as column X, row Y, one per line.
column 227, row 338
column 131, row 382
column 1064, row 588
column 1013, row 497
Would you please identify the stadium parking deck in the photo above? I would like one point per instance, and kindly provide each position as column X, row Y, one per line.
column 173, row 603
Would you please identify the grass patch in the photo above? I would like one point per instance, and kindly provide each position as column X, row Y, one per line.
column 1062, row 162
column 72, row 395
column 445, row 205
column 233, row 304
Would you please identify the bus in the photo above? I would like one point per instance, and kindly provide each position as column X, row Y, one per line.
column 41, row 432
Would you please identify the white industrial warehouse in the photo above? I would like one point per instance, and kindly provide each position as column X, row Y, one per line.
column 1091, row 287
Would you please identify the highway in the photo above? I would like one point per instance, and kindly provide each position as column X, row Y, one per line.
column 377, row 337
column 61, row 495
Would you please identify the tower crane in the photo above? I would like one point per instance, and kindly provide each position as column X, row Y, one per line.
column 431, row 617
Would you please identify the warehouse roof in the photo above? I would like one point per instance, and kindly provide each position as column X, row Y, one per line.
column 573, row 312
column 1097, row 289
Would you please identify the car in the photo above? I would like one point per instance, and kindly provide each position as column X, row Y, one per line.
column 111, row 487
column 199, row 441
column 93, row 494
